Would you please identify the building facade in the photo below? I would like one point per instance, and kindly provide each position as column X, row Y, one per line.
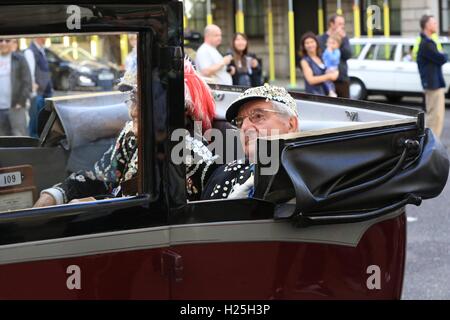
column 404, row 16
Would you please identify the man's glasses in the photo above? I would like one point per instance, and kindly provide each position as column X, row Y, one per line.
column 255, row 116
column 5, row 40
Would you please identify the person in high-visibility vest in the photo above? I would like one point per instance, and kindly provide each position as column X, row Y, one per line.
column 429, row 62
column 434, row 37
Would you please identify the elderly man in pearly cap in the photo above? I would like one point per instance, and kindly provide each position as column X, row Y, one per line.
column 258, row 112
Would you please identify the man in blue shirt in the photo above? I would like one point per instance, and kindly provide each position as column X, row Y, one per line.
column 430, row 61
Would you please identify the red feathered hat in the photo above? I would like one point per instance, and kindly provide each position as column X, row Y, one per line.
column 199, row 101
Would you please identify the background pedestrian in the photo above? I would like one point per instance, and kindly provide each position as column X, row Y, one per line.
column 15, row 89
column 245, row 67
column 430, row 61
column 314, row 70
column 209, row 61
column 336, row 24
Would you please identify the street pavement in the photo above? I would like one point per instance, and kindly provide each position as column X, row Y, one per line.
column 427, row 272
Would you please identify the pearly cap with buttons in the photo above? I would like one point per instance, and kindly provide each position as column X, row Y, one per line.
column 128, row 82
column 267, row 92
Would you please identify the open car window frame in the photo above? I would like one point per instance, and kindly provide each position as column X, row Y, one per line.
column 107, row 215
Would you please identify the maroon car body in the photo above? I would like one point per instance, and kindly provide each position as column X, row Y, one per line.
column 156, row 245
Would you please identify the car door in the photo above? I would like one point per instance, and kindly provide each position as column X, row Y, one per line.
column 250, row 255
column 83, row 252
column 407, row 77
column 378, row 69
column 356, row 66
column 115, row 248
column 253, row 249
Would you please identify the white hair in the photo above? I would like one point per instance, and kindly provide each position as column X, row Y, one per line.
column 281, row 107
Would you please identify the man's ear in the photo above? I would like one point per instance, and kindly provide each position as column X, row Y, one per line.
column 293, row 124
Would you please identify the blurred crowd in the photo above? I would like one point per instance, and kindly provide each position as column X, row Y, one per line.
column 29, row 76
column 238, row 67
column 323, row 62
column 25, row 82
column 25, row 78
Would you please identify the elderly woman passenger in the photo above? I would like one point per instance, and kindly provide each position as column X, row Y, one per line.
column 118, row 164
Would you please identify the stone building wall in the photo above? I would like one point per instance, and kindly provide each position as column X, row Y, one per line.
column 347, row 9
column 412, row 10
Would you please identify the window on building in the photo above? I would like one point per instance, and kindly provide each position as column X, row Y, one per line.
column 445, row 16
column 195, row 11
column 378, row 18
column 254, row 18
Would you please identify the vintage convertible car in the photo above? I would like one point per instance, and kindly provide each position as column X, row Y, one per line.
column 328, row 224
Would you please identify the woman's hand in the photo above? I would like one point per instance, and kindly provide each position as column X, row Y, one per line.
column 227, row 59
column 45, row 200
column 88, row 199
column 333, row 75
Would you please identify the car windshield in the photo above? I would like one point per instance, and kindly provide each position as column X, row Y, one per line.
column 74, row 54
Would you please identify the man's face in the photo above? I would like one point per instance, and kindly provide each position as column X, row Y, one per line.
column 432, row 26
column 260, row 119
column 5, row 46
column 214, row 37
column 40, row 41
column 133, row 40
column 339, row 24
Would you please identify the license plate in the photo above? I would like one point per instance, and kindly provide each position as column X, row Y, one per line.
column 10, row 179
column 105, row 76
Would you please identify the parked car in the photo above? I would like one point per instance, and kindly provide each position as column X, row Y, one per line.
column 75, row 68
column 385, row 66
column 349, row 174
